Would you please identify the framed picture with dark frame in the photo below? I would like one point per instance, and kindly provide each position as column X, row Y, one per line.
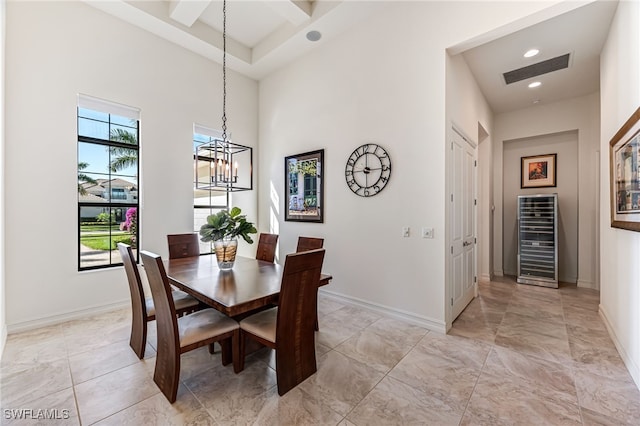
column 624, row 170
column 304, row 187
column 538, row 171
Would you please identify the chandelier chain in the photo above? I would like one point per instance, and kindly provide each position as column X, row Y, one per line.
column 224, row 70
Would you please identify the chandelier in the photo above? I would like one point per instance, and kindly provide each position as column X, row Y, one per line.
column 222, row 165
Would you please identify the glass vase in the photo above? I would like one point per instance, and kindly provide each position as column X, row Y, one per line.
column 226, row 249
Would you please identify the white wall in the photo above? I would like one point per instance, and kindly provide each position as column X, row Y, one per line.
column 369, row 85
column 83, row 50
column 620, row 249
column 581, row 114
column 383, row 82
column 486, row 205
column 468, row 110
column 3, row 320
column 565, row 145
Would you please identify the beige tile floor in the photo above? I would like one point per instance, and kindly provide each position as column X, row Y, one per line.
column 517, row 355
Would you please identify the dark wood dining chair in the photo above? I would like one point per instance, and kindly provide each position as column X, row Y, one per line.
column 309, row 243
column 142, row 308
column 177, row 335
column 289, row 328
column 183, row 245
column 267, row 247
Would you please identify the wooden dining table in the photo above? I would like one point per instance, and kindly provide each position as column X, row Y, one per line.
column 250, row 285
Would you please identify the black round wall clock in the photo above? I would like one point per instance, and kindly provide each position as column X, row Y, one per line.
column 368, row 170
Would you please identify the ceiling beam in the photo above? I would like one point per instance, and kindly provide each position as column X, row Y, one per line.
column 153, row 16
column 280, row 47
column 187, row 12
column 295, row 11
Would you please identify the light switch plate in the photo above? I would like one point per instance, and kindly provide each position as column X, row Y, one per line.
column 427, row 232
column 405, row 231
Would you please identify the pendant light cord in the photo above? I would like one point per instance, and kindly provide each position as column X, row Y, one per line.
column 224, row 70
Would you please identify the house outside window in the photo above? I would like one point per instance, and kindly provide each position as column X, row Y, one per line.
column 108, row 186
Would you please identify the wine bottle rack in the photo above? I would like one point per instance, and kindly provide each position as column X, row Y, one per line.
column 538, row 240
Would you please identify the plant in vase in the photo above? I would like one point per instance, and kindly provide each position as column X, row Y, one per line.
column 223, row 228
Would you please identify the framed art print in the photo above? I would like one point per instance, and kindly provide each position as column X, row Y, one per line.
column 538, row 171
column 304, row 186
column 624, row 165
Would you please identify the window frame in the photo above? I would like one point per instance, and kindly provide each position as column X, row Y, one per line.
column 114, row 259
column 207, row 135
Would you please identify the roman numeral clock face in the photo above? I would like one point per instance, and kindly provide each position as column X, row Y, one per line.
column 368, row 170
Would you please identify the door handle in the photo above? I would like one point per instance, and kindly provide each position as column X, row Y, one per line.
column 464, row 244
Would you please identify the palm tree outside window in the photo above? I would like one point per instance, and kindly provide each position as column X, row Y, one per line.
column 108, row 186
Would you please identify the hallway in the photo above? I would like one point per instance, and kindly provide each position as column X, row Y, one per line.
column 551, row 354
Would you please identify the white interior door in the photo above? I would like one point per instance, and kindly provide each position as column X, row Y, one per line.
column 463, row 242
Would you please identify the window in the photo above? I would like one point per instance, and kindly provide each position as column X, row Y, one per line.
column 293, row 183
column 310, row 191
column 205, row 201
column 108, row 186
column 118, row 194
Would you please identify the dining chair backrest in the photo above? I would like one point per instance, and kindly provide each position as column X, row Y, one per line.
column 179, row 335
column 138, row 307
column 267, row 247
column 166, row 321
column 183, row 245
column 295, row 325
column 309, row 243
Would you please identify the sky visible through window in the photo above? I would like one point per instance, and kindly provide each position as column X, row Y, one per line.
column 99, row 125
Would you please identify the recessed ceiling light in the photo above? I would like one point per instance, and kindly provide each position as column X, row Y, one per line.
column 531, row 53
column 314, row 35
column 534, row 84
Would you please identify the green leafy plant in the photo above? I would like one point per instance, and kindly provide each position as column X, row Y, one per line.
column 123, row 157
column 306, row 167
column 105, row 217
column 84, row 178
column 227, row 224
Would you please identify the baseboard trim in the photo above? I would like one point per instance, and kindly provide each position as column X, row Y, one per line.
column 426, row 322
column 498, row 273
column 59, row 318
column 633, row 368
column 422, row 321
column 586, row 284
column 485, row 278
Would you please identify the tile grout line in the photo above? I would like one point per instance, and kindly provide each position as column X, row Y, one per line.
column 73, row 388
column 385, row 374
column 572, row 367
column 492, row 348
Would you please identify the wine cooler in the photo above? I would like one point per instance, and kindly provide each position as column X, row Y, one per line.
column 538, row 240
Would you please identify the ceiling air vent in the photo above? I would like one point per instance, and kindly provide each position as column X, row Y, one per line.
column 544, row 67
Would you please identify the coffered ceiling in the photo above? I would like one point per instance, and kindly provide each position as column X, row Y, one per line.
column 263, row 35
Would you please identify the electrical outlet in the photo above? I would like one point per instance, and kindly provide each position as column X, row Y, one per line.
column 427, row 232
column 405, row 231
